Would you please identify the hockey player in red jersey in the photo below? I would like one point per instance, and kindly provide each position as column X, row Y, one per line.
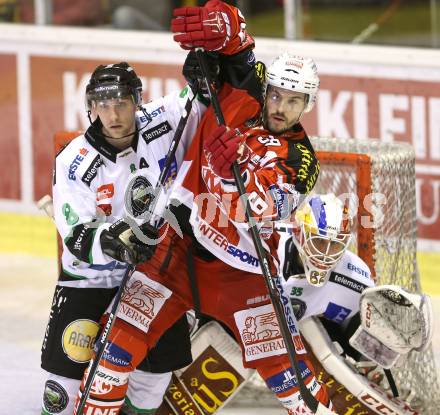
column 214, row 267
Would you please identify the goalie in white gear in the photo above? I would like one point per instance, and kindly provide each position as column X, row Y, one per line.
column 324, row 278
column 322, row 236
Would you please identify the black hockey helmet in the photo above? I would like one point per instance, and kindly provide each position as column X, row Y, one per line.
column 113, row 81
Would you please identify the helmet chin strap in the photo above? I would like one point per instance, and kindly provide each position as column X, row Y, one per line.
column 122, row 136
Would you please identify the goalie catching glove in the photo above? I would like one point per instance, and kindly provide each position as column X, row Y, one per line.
column 393, row 323
column 215, row 27
column 120, row 243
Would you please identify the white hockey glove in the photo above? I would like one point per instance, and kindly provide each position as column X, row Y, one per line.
column 393, row 323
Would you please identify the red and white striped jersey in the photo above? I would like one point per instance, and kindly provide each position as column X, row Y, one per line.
column 281, row 168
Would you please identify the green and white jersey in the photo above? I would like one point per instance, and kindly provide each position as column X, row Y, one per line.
column 90, row 179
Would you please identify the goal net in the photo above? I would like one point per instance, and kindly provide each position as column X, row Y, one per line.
column 379, row 181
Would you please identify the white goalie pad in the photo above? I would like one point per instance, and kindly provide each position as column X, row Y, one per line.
column 373, row 398
column 399, row 321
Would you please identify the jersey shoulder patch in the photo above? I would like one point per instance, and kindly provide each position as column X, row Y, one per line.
column 158, row 123
column 155, row 109
column 352, row 272
column 156, row 131
column 77, row 157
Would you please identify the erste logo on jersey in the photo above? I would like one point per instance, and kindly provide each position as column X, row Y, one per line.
column 76, row 163
column 153, row 113
column 358, row 270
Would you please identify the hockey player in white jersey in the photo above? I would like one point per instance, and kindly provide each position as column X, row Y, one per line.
column 323, row 278
column 90, row 179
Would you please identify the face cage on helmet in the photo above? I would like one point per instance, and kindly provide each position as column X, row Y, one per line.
column 111, row 91
column 318, row 263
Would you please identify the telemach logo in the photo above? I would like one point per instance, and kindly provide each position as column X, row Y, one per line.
column 156, row 132
column 92, row 170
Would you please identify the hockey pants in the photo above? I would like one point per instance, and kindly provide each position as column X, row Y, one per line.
column 152, row 304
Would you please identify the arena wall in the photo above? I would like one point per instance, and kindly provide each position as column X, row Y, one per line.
column 366, row 91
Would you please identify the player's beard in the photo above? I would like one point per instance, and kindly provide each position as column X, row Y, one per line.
column 274, row 130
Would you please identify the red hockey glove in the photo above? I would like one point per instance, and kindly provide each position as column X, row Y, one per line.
column 222, row 148
column 215, row 27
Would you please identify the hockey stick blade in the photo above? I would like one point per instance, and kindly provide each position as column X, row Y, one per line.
column 311, row 402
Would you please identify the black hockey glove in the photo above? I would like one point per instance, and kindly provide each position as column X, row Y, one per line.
column 192, row 73
column 120, row 243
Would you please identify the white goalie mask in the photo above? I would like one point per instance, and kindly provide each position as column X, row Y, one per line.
column 295, row 73
column 322, row 234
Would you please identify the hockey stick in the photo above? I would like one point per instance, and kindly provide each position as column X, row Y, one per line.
column 373, row 27
column 273, row 283
column 130, row 268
